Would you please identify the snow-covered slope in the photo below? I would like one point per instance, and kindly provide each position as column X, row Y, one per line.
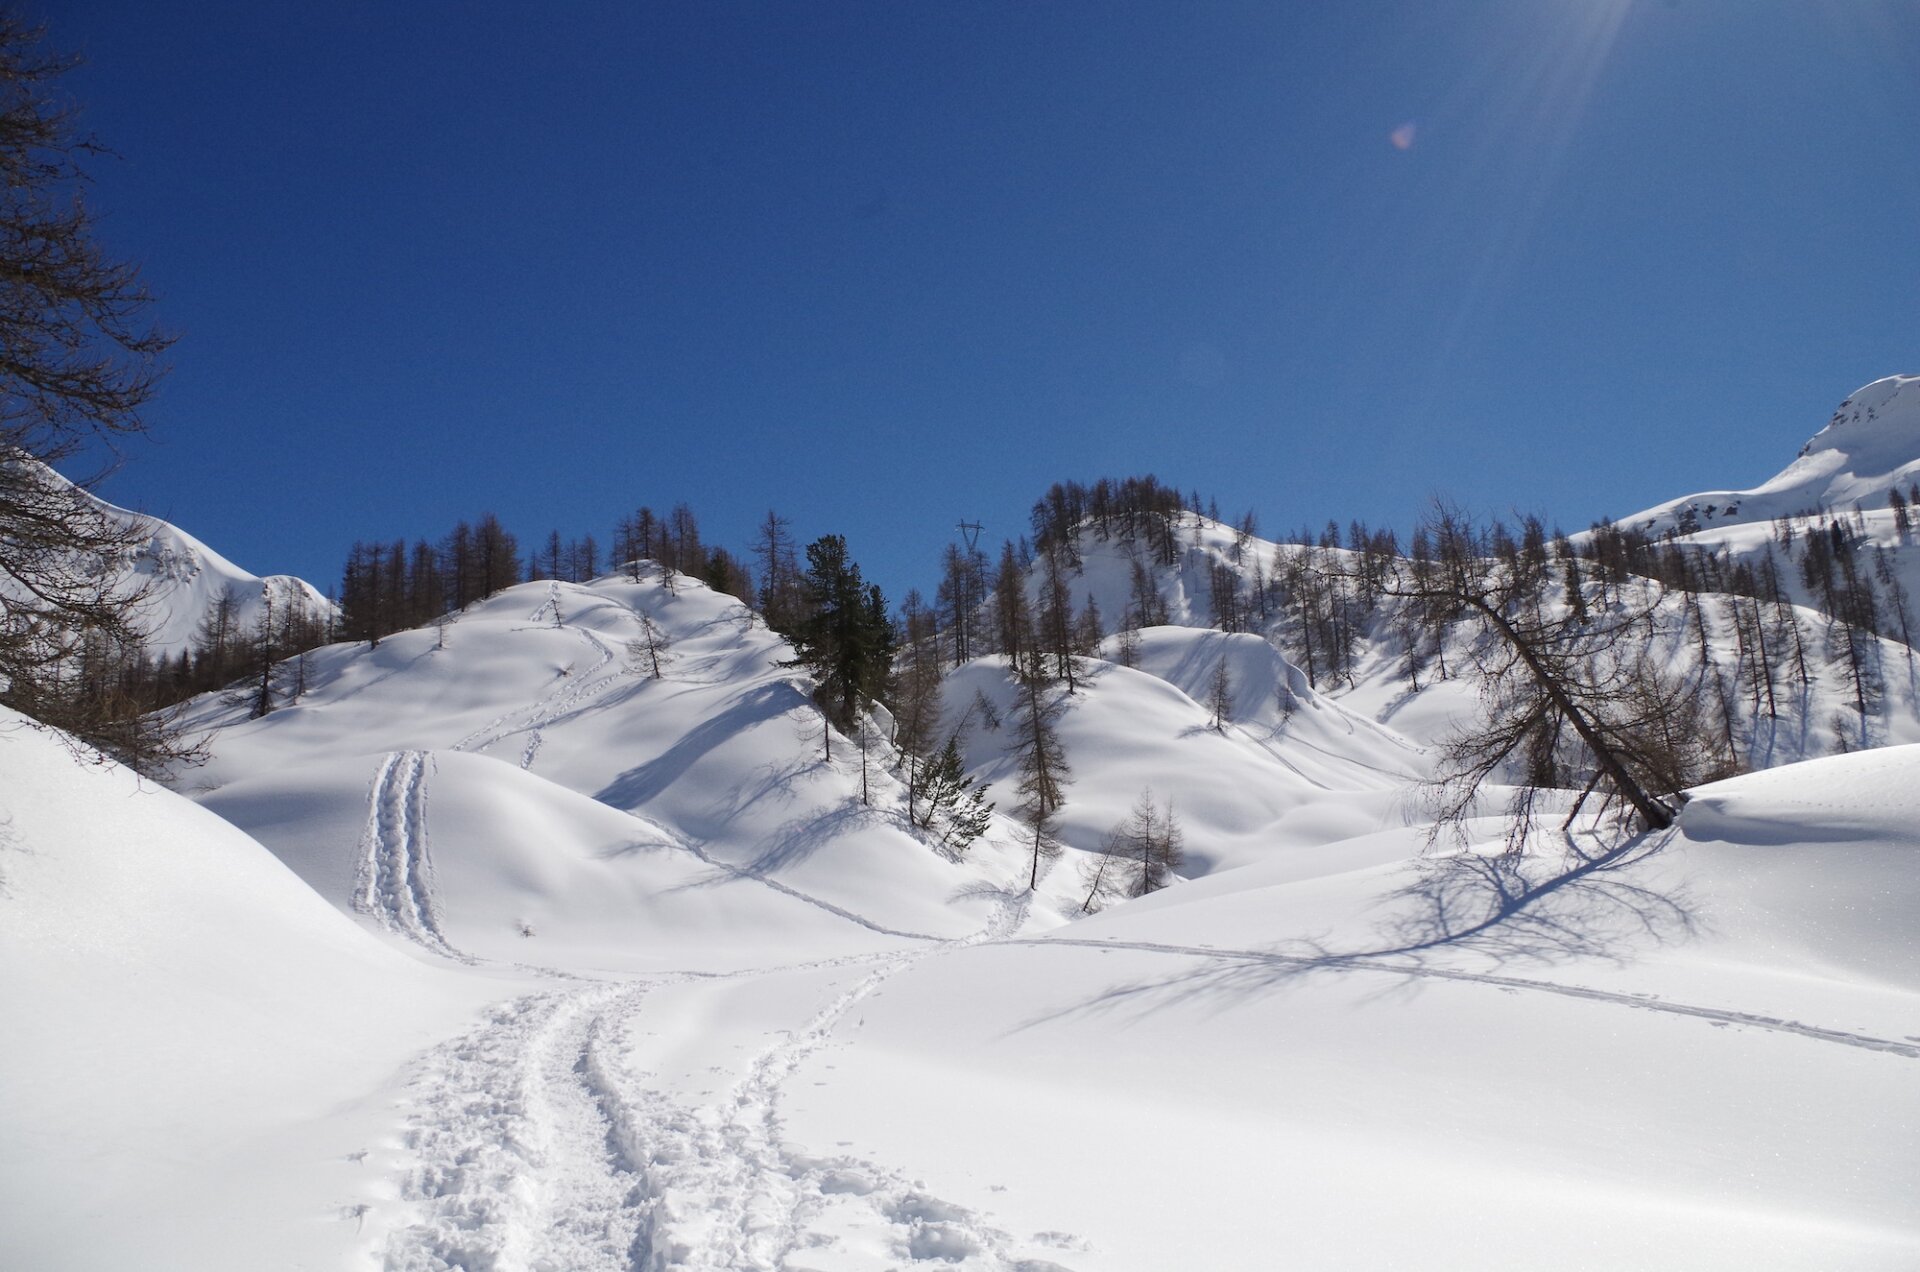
column 1349, row 719
column 1695, row 1054
column 740, row 1015
column 183, row 1020
column 185, row 579
column 1699, row 1055
column 1288, row 767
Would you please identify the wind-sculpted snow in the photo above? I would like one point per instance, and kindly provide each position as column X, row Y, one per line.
column 690, row 797
column 1288, row 767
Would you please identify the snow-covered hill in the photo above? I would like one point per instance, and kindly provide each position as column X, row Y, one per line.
column 1334, row 1056
column 561, row 788
column 1700, row 1055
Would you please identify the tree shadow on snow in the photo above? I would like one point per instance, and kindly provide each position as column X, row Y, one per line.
column 1460, row 916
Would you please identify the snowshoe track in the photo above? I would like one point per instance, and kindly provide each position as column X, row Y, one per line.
column 516, row 1145
column 733, row 1194
column 534, row 1148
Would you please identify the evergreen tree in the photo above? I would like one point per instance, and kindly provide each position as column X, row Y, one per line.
column 726, row 575
column 845, row 640
column 955, row 810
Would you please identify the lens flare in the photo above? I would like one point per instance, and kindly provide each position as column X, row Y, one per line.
column 1402, row 137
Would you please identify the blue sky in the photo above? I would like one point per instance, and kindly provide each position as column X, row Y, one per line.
column 883, row 267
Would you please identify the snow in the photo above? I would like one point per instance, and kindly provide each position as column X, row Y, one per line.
column 574, row 782
column 185, row 1021
column 496, row 952
column 1869, row 448
column 180, row 578
column 1251, row 1068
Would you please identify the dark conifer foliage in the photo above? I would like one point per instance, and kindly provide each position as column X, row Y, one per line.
column 845, row 639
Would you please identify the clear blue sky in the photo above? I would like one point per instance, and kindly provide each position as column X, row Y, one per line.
column 887, row 266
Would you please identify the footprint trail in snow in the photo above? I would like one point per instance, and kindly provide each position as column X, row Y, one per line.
column 534, row 1146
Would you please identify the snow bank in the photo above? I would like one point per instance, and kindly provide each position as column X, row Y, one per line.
column 518, row 869
column 1820, row 859
column 179, row 1009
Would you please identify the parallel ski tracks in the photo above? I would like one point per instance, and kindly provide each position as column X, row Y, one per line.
column 395, row 874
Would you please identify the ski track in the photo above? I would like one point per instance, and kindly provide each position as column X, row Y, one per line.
column 1713, row 1015
column 574, row 689
column 534, row 1147
column 806, row 898
column 395, row 883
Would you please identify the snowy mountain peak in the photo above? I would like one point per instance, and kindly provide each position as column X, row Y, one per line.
column 1877, row 427
column 180, row 578
column 1869, row 448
